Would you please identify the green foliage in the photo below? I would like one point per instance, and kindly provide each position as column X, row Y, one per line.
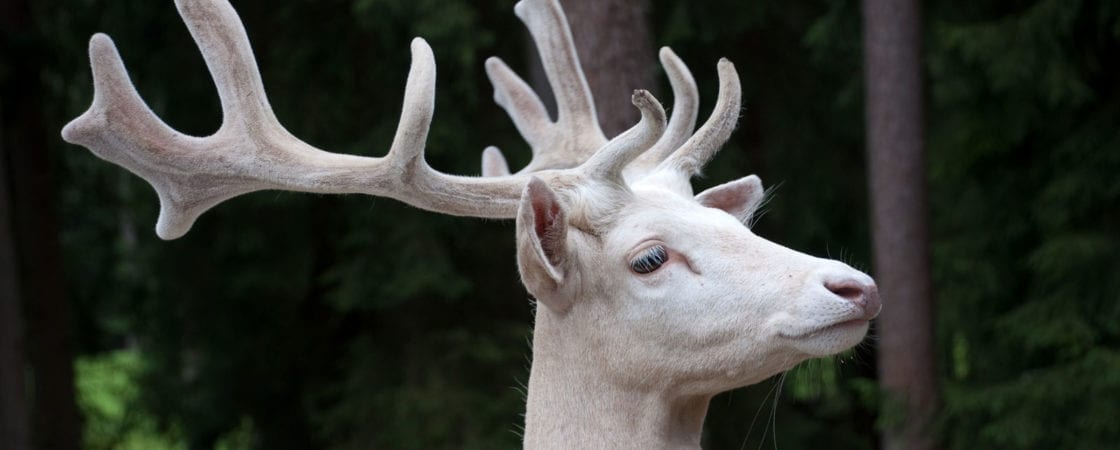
column 109, row 394
column 108, row 397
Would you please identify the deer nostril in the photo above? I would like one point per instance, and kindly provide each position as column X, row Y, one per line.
column 850, row 291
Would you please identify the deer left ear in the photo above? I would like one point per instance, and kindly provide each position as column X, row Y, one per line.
column 740, row 198
column 542, row 244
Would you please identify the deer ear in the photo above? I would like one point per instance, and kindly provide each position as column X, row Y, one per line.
column 542, row 232
column 740, row 198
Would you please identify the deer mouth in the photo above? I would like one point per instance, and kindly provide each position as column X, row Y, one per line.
column 843, row 327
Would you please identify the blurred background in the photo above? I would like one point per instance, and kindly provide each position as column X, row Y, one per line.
column 295, row 321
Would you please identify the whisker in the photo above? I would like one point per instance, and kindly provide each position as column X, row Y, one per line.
column 774, row 411
column 761, row 209
column 750, row 428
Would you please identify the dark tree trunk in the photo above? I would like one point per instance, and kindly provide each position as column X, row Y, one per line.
column 613, row 41
column 895, row 139
column 14, row 432
column 55, row 423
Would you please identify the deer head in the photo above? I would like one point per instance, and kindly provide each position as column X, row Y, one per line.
column 651, row 299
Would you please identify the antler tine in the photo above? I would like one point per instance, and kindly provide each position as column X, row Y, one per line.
column 686, row 105
column 493, row 163
column 549, row 28
column 575, row 134
column 224, row 44
column 608, row 162
column 521, row 104
column 694, row 153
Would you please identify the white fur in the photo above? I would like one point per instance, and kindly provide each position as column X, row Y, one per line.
column 627, row 360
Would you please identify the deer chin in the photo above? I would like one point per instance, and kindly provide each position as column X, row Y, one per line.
column 827, row 338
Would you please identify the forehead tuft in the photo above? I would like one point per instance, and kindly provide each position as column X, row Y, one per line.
column 594, row 208
column 665, row 210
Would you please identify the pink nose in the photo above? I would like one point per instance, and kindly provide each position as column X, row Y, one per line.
column 863, row 295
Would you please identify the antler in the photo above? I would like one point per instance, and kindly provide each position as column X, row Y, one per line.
column 251, row 151
column 575, row 135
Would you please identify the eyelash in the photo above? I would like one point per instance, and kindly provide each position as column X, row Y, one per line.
column 650, row 260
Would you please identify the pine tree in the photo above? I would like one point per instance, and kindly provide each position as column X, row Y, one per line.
column 1024, row 162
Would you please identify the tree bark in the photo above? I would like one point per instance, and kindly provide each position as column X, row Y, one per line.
column 55, row 420
column 14, row 432
column 895, row 139
column 613, row 42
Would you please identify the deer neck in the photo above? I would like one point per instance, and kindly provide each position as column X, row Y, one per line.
column 573, row 404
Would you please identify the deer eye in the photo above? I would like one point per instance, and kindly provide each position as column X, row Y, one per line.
column 650, row 260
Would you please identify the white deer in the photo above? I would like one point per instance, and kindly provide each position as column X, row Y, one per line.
column 650, row 300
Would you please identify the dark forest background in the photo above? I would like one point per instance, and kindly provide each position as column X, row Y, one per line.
column 293, row 321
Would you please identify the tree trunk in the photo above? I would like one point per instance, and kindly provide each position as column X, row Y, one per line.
column 13, row 398
column 895, row 139
column 613, row 42
column 55, row 422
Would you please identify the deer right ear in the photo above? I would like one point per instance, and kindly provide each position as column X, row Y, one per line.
column 542, row 236
column 740, row 198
